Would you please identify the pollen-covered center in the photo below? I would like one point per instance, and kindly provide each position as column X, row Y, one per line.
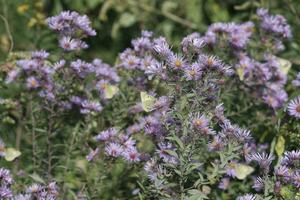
column 199, row 122
column 178, row 63
column 192, row 72
column 298, row 108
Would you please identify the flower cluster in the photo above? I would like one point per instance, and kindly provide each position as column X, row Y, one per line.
column 116, row 145
column 68, row 83
column 274, row 24
column 71, row 27
column 34, row 191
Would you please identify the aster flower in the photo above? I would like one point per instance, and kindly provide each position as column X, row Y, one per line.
column 282, row 171
column 162, row 48
column 242, row 135
column 32, row 83
column 246, row 197
column 42, row 54
column 59, row 64
column 5, row 193
column 69, row 44
column 209, row 61
column 200, row 121
column 12, row 75
column 131, row 155
column 131, row 62
column 2, row 148
column 264, row 160
column 34, row 188
column 133, row 129
column 296, row 179
column 106, row 135
column 216, row 144
column 93, row 153
column 231, row 168
column 193, row 42
column 177, row 62
column 258, row 184
column 5, row 177
column 193, row 72
column 275, row 24
column 294, row 107
column 163, row 147
column 89, row 106
column 224, row 183
column 296, row 82
column 290, row 157
column 113, row 149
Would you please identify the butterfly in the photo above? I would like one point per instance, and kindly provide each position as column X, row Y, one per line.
column 148, row 102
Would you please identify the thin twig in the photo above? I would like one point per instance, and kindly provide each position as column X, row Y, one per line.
column 6, row 24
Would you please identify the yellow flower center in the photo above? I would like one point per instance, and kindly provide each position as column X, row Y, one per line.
column 298, row 108
column 33, row 83
column 198, row 122
column 178, row 63
column 130, row 62
column 210, row 61
column 192, row 72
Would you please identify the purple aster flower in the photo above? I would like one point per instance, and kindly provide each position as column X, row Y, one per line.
column 282, row 171
column 177, row 62
column 231, row 168
column 146, row 62
column 131, row 62
column 35, row 188
column 5, row 193
column 216, row 144
column 258, row 184
column 162, row 48
column 105, row 71
column 193, row 42
column 113, row 149
column 275, row 24
column 155, row 68
column 163, row 147
column 296, row 82
column 200, row 121
column 93, row 153
column 264, row 160
column 131, row 155
column 242, row 135
column 210, row 61
column 106, row 135
column 296, row 178
column 69, row 44
column 224, row 183
column 2, row 148
column 82, row 68
column 12, row 75
column 5, row 177
column 58, row 65
column 88, row 106
column 246, row 197
column 83, row 23
column 193, row 72
column 294, row 107
column 290, row 157
column 141, row 44
column 42, row 54
column 22, row 197
column 262, row 12
column 32, row 83
column 127, row 142
column 134, row 129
